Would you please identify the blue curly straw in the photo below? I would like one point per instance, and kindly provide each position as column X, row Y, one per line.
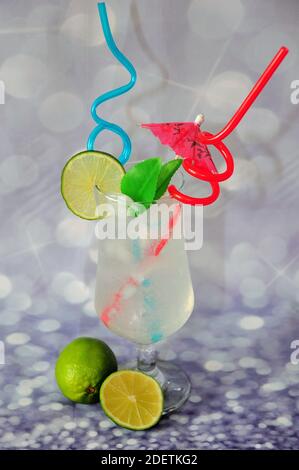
column 101, row 123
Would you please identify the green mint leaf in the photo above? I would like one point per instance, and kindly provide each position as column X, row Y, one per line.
column 166, row 173
column 140, row 182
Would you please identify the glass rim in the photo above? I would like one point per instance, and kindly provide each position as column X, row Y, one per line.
column 115, row 197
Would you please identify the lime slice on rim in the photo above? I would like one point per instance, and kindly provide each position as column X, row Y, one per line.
column 85, row 172
column 132, row 399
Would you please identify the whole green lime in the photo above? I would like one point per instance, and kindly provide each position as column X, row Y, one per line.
column 81, row 368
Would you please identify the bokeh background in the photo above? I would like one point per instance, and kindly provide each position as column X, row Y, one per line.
column 191, row 56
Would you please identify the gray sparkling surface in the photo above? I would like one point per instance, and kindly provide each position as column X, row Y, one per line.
column 236, row 346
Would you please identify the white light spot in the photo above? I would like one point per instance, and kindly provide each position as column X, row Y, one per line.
column 244, row 177
column 232, row 394
column 17, row 338
column 139, row 115
column 39, row 231
column 112, row 75
column 273, row 387
column 89, row 309
column 15, row 420
column 83, row 424
column 24, row 390
column 266, row 166
column 273, row 248
column 49, row 325
column 243, row 252
column 168, row 354
column 70, row 425
column 7, row 437
column 60, row 280
column 132, row 442
column 61, row 112
column 19, row 301
column 189, row 356
column 238, row 409
column 283, row 421
column 232, row 403
column 213, row 365
column 250, row 268
column 92, row 445
column 269, row 445
column 17, row 172
column 41, row 306
column 85, row 28
column 76, row 292
column 43, row 16
column 29, row 351
column 70, row 440
column 39, row 381
column 264, row 370
column 57, row 406
column 41, row 366
column 105, row 424
column 227, row 90
column 25, row 401
column 74, row 232
column 8, row 318
column 5, row 286
column 261, row 125
column 248, row 362
column 251, row 322
column 23, row 75
column 252, row 287
column 284, row 288
column 210, row 21
column 265, row 43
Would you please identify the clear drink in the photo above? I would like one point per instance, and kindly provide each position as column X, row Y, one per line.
column 159, row 304
column 144, row 291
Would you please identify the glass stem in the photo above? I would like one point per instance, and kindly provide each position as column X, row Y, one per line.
column 146, row 363
column 146, row 359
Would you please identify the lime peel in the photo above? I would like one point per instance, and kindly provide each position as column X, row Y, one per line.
column 81, row 368
column 82, row 174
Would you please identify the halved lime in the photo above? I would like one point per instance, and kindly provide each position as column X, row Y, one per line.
column 85, row 172
column 132, row 399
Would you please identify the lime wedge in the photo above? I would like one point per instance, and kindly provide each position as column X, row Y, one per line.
column 85, row 172
column 132, row 399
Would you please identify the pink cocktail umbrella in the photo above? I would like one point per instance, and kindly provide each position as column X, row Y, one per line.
column 184, row 139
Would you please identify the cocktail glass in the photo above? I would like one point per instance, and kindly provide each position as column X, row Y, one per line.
column 143, row 287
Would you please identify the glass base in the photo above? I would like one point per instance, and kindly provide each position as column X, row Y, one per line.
column 175, row 384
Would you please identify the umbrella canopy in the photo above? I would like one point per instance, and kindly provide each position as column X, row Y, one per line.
column 184, row 139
